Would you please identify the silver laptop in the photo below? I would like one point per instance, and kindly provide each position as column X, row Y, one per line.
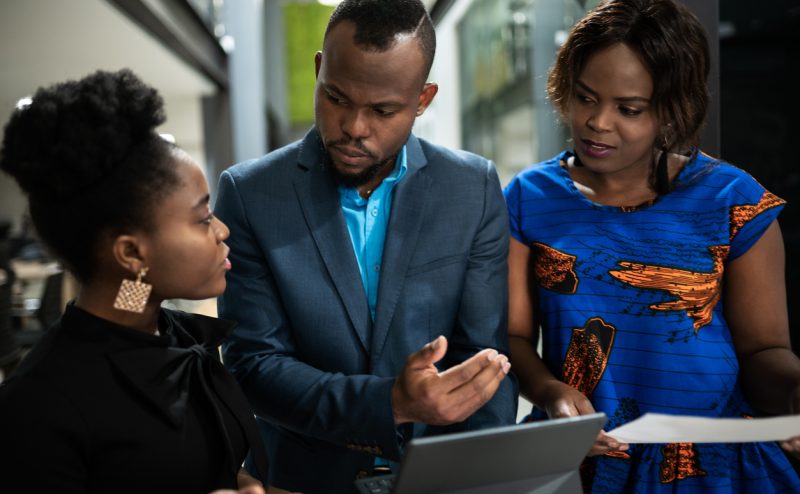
column 533, row 458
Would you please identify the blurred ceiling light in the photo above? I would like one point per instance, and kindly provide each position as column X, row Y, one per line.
column 227, row 43
column 23, row 103
column 560, row 36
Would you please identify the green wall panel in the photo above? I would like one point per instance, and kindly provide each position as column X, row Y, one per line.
column 305, row 27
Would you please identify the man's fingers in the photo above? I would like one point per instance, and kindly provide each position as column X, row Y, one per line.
column 423, row 394
column 473, row 390
column 487, row 378
column 473, row 394
column 429, row 354
column 464, row 372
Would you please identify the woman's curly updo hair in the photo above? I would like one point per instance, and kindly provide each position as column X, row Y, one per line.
column 87, row 155
column 670, row 42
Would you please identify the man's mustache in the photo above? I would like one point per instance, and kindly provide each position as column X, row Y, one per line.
column 352, row 143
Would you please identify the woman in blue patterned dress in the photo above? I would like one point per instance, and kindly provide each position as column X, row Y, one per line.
column 655, row 271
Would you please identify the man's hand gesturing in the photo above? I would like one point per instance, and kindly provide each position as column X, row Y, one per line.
column 422, row 394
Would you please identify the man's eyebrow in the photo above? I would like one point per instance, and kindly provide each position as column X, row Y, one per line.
column 331, row 88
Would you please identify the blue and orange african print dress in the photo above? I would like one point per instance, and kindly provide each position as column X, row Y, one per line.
column 632, row 317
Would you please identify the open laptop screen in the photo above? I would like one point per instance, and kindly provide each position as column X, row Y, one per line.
column 538, row 457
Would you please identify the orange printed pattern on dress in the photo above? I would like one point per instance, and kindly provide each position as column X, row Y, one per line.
column 740, row 215
column 587, row 355
column 680, row 461
column 554, row 270
column 697, row 292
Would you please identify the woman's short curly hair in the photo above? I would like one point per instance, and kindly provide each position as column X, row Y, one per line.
column 87, row 155
column 672, row 45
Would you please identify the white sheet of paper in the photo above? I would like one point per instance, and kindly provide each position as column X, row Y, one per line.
column 660, row 428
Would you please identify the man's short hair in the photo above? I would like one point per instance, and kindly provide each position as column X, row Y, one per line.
column 378, row 22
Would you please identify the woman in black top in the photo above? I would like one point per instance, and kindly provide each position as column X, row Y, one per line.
column 121, row 395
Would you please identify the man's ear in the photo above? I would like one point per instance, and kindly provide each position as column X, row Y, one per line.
column 426, row 96
column 128, row 252
column 317, row 63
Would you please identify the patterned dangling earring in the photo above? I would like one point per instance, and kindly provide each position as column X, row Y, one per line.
column 132, row 295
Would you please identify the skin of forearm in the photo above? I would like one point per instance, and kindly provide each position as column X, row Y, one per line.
column 771, row 380
column 532, row 373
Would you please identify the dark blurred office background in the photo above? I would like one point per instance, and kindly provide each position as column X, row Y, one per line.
column 759, row 70
column 237, row 77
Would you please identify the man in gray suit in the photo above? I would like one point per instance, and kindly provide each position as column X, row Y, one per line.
column 369, row 267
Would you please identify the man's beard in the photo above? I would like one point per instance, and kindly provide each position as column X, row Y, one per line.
column 361, row 178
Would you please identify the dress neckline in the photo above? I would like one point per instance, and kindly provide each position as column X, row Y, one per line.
column 563, row 172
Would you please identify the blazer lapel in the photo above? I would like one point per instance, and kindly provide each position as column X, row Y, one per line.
column 319, row 200
column 408, row 206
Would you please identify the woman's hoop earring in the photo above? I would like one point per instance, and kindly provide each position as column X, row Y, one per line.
column 132, row 295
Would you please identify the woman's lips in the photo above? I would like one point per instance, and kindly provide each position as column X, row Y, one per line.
column 596, row 149
column 226, row 263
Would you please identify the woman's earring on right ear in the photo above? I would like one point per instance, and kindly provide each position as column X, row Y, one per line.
column 662, row 169
column 132, row 295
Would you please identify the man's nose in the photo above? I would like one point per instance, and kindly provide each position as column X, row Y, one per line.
column 356, row 124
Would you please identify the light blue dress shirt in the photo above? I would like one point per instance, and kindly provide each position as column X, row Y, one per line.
column 367, row 220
